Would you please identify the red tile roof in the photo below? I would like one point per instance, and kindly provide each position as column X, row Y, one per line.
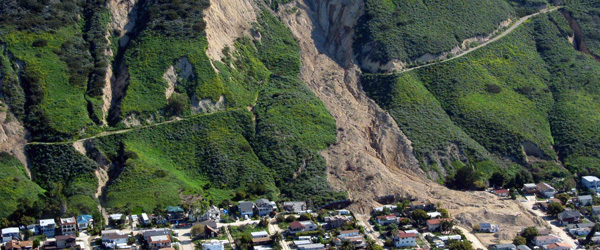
column 436, row 221
column 296, row 225
column 403, row 234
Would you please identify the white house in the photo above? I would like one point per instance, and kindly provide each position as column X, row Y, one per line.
column 488, row 227
column 145, row 219
column 434, row 215
column 546, row 240
column 546, row 190
column 404, row 239
column 213, row 245
column 261, row 234
column 317, row 246
column 68, row 225
column 9, row 233
column 591, row 182
column 212, row 213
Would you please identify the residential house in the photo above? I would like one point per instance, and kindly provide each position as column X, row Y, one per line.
column 349, row 233
column 357, row 240
column 388, row 207
column 504, row 247
column 158, row 219
column 68, row 225
column 213, row 245
column 595, row 210
column 545, row 240
column 569, row 216
column 544, row 232
column 18, row 245
column 343, row 212
column 488, row 228
column 502, row 192
column 49, row 245
column 212, row 213
column 112, row 238
column 211, row 229
column 145, row 219
column 591, row 182
column 117, row 219
column 246, row 208
column 294, row 206
column 156, row 232
column 435, row 224
column 424, row 205
column 85, row 221
column 302, row 242
column 8, row 234
column 386, row 219
column 261, row 238
column 559, row 246
column 523, row 247
column 434, row 215
column 404, row 239
column 529, row 188
column 265, row 207
column 336, row 221
column 316, row 246
column 65, row 241
column 158, row 242
column 47, row 227
column 580, row 231
column 545, row 190
column 585, row 200
column 175, row 214
column 302, row 226
column 446, row 239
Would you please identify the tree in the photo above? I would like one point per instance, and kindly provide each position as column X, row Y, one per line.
column 555, row 208
column 419, row 216
column 519, row 240
column 563, row 197
column 498, row 179
column 197, row 231
column 461, row 245
column 446, row 225
column 595, row 228
column 36, row 243
column 347, row 245
column 264, row 222
column 529, row 233
column 465, row 178
column 476, row 227
column 178, row 104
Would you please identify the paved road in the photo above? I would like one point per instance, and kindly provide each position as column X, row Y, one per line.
column 275, row 228
column 560, row 232
column 496, row 38
column 472, row 238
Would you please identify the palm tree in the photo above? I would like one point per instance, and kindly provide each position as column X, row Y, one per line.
column 446, row 225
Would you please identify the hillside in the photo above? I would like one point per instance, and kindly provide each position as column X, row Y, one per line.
column 136, row 105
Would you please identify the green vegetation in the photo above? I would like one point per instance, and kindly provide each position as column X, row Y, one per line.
column 407, row 30
column 523, row 96
column 586, row 15
column 15, row 186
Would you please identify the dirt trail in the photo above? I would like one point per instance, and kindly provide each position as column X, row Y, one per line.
column 496, row 38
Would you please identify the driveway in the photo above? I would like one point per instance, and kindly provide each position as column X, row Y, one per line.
column 472, row 238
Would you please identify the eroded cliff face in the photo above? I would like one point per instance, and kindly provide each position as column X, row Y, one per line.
column 12, row 136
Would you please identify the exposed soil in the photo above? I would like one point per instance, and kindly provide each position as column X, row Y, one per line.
column 13, row 137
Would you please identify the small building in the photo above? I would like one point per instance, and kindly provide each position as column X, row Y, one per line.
column 212, row 213
column 145, row 219
column 68, row 225
column 580, row 231
column 424, row 205
column 260, row 234
column 117, row 219
column 541, row 241
column 112, row 238
column 48, row 227
column 155, row 232
column 386, row 219
column 545, row 190
column 246, row 208
column 523, row 247
column 8, row 234
column 316, row 246
column 85, row 221
column 175, row 214
column 569, row 216
column 435, row 224
column 158, row 242
column 585, row 200
column 343, row 212
column 302, row 226
column 502, row 192
column 349, row 233
column 529, row 188
column 381, row 209
column 18, row 245
column 595, row 210
column 504, row 247
column 448, row 238
column 265, row 207
column 591, row 182
column 559, row 246
column 404, row 239
column 336, row 221
column 488, row 228
column 211, row 228
column 434, row 215
column 294, row 206
column 213, row 245
column 65, row 241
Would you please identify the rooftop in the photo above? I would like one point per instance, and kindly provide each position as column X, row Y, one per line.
column 47, row 222
column 67, row 221
column 159, row 239
column 590, row 178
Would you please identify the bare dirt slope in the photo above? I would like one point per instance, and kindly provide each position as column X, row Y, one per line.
column 12, row 136
column 372, row 156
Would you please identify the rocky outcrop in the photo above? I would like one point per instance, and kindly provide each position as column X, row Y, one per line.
column 182, row 71
column 206, row 105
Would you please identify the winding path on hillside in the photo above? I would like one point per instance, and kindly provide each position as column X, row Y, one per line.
column 496, row 38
